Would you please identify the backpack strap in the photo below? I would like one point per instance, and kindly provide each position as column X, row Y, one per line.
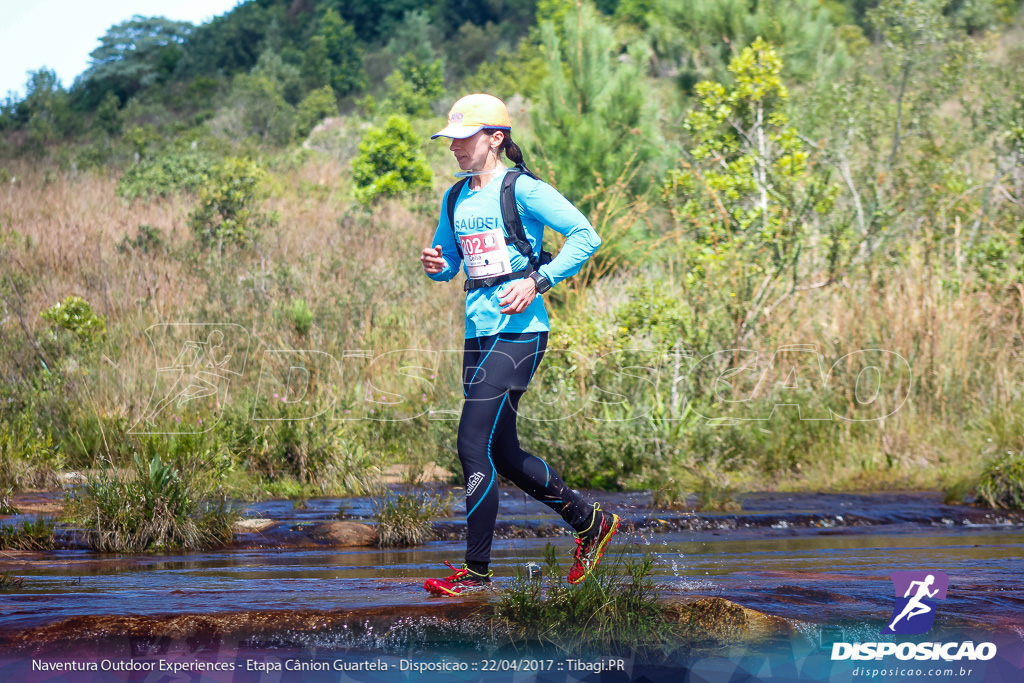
column 514, row 229
column 510, row 214
column 513, row 222
column 453, row 195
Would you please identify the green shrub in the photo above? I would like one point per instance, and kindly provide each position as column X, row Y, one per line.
column 1002, row 482
column 147, row 240
column 595, row 454
column 317, row 453
column 302, row 317
column 227, row 213
column 390, row 163
column 29, row 457
column 259, row 99
column 405, row 520
column 153, row 507
column 180, row 171
column 75, row 315
column 314, row 108
column 96, row 154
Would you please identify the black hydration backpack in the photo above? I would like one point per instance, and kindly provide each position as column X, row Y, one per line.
column 514, row 231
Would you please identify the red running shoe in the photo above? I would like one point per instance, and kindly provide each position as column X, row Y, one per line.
column 590, row 545
column 464, row 580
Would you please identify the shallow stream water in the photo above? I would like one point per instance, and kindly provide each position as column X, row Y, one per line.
column 809, row 558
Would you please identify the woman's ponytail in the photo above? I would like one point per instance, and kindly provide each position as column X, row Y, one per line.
column 511, row 149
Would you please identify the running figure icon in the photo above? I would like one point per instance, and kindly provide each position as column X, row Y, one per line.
column 914, row 613
column 915, row 607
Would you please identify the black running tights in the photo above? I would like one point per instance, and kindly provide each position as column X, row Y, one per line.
column 495, row 372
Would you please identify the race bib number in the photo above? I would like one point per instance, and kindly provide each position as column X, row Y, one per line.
column 485, row 254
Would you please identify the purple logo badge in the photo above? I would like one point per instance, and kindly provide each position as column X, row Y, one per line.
column 455, row 117
column 916, row 596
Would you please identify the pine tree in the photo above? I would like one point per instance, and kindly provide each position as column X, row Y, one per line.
column 347, row 75
column 592, row 119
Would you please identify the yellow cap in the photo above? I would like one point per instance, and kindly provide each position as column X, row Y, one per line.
column 472, row 113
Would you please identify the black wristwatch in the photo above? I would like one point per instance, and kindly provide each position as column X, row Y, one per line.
column 543, row 284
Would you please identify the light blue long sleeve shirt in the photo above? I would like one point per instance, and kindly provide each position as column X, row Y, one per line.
column 479, row 211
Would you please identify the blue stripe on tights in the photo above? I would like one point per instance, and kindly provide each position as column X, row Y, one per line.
column 493, row 471
column 465, row 389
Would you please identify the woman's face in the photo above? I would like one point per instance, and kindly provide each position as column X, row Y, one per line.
column 474, row 153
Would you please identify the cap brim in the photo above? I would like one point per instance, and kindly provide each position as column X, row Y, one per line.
column 458, row 132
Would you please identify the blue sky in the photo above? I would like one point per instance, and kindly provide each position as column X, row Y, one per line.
column 60, row 34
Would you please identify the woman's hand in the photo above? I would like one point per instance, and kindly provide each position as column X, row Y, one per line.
column 520, row 294
column 433, row 262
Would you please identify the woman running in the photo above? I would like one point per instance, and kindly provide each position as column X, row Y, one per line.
column 506, row 328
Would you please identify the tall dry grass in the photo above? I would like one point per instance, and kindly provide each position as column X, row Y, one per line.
column 359, row 274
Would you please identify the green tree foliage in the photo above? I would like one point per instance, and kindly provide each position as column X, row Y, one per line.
column 375, row 19
column 390, row 163
column 233, row 42
column 46, row 110
column 418, row 80
column 316, row 106
column 343, row 54
column 883, row 128
column 696, row 40
column 415, row 85
column 510, row 72
column 264, row 111
column 316, row 67
column 469, row 48
column 136, row 54
column 592, row 119
column 747, row 193
column 920, row 48
column 108, row 115
column 228, row 213
column 514, row 16
column 287, row 77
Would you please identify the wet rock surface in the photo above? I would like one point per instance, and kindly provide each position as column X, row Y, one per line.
column 341, row 534
column 134, row 635
column 722, row 621
column 461, row 622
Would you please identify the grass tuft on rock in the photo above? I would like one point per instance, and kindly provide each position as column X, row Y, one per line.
column 1002, row 483
column 617, row 610
column 155, row 506
column 34, row 535
column 406, row 519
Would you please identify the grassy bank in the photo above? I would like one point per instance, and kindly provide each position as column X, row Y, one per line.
column 631, row 394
